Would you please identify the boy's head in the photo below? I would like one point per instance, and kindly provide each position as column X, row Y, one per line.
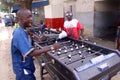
column 69, row 15
column 24, row 17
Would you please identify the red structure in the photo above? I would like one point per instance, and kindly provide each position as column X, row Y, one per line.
column 54, row 16
column 55, row 23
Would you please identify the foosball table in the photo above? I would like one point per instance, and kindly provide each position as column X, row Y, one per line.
column 79, row 60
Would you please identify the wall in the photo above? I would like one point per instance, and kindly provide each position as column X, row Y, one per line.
column 105, row 19
column 85, row 14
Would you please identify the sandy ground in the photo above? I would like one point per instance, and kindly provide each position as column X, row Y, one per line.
column 6, row 72
column 5, row 56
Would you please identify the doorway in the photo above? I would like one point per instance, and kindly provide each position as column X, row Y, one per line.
column 105, row 17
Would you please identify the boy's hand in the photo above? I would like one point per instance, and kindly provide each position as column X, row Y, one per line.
column 56, row 45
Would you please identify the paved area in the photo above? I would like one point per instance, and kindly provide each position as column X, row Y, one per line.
column 5, row 56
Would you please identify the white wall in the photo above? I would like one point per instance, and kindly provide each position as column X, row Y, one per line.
column 54, row 11
column 48, row 11
column 84, row 5
column 54, row 2
column 67, row 5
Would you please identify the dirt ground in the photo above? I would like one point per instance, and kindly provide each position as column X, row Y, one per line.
column 6, row 72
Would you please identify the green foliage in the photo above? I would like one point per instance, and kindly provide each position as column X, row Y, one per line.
column 11, row 1
column 7, row 1
column 3, row 8
column 6, row 4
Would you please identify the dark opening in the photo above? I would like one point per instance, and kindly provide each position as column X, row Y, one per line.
column 105, row 15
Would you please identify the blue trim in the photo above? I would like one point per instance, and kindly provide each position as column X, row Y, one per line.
column 39, row 4
column 15, row 8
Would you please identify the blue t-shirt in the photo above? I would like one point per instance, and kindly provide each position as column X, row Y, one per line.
column 42, row 26
column 20, row 48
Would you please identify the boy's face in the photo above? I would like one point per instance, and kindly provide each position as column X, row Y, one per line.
column 69, row 15
column 27, row 19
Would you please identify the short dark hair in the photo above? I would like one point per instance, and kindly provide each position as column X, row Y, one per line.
column 20, row 12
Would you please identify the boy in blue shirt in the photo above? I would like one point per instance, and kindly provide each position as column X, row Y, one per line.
column 22, row 50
